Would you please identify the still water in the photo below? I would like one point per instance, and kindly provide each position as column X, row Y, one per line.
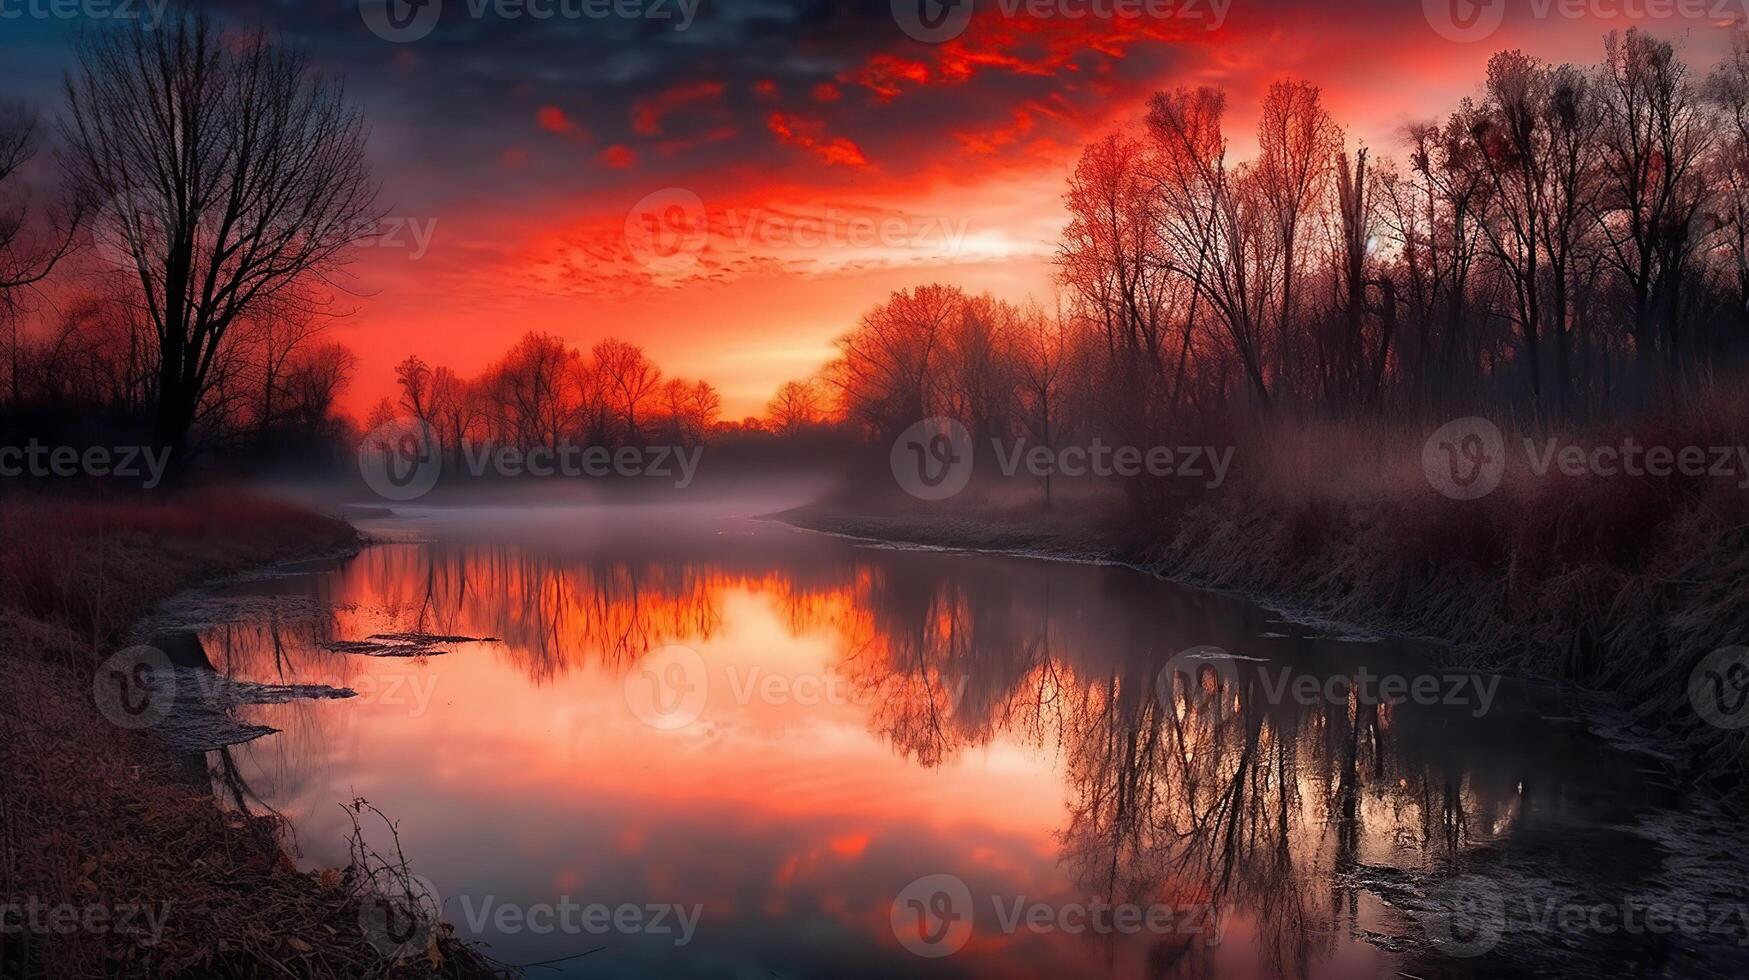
column 709, row 745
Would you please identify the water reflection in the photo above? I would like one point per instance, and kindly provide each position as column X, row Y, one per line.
column 994, row 719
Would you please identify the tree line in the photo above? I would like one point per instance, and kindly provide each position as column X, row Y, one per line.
column 214, row 184
column 1570, row 243
column 91, row 373
column 543, row 393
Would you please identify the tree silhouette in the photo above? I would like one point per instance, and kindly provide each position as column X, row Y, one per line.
column 231, row 176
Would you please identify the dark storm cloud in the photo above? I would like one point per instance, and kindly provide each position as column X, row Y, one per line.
column 495, row 107
column 511, row 103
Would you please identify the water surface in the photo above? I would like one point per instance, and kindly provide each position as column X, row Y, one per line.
column 786, row 731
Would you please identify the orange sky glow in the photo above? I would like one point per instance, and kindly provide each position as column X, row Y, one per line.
column 809, row 196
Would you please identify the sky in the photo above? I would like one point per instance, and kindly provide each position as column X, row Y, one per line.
column 732, row 183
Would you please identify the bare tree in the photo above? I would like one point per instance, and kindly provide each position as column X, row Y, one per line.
column 314, row 381
column 1536, row 135
column 692, row 408
column 1354, row 369
column 631, row 379
column 276, row 340
column 233, row 174
column 976, row 373
column 594, row 401
column 1655, row 144
column 1574, row 120
column 704, row 407
column 1111, row 258
column 530, row 391
column 1043, row 354
column 1214, row 224
column 886, row 369
column 26, row 259
column 1434, row 213
column 797, row 405
column 455, row 406
column 415, row 378
column 1728, row 91
column 1297, row 143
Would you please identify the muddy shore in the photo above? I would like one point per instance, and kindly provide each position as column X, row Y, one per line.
column 113, row 847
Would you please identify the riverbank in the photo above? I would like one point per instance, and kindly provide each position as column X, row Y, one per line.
column 113, row 860
column 1620, row 586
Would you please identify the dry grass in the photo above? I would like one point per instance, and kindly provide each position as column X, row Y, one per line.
column 1615, row 583
column 93, row 815
column 95, row 567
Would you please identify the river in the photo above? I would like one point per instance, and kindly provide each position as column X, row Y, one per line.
column 693, row 743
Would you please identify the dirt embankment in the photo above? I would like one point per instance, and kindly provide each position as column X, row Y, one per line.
column 114, row 859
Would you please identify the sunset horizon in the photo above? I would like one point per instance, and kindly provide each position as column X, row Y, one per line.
column 862, row 162
column 1125, row 489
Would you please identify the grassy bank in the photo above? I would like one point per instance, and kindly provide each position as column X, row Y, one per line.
column 101, row 820
column 1615, row 583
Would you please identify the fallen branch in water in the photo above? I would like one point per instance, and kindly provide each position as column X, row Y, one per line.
column 427, row 639
column 373, row 648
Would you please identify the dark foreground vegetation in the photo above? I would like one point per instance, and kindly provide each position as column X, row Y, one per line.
column 92, row 814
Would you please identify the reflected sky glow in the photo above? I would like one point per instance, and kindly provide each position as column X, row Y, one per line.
column 519, row 770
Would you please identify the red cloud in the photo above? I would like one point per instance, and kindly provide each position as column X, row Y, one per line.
column 553, row 120
column 809, row 134
column 995, row 139
column 647, row 113
column 884, row 73
column 716, row 134
column 619, row 156
column 1022, row 45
